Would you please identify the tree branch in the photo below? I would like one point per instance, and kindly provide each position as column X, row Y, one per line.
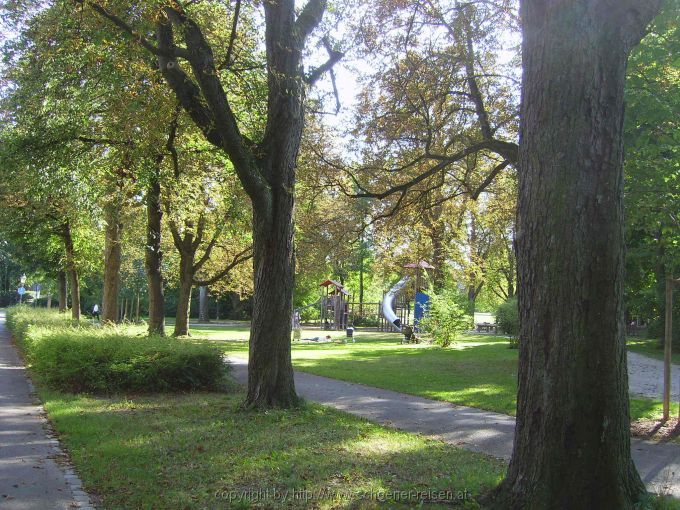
column 104, row 141
column 239, row 258
column 187, row 92
column 444, row 161
column 199, row 233
column 202, row 61
column 489, row 179
column 475, row 93
column 232, row 36
column 176, row 237
column 139, row 39
column 170, row 144
column 308, row 19
column 208, row 250
column 333, row 57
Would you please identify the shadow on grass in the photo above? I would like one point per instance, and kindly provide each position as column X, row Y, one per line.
column 198, row 451
column 645, row 408
column 483, row 376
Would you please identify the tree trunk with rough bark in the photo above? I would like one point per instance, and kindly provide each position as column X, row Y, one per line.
column 186, row 276
column 572, row 440
column 270, row 370
column 361, row 285
column 203, row 315
column 112, row 261
column 438, row 260
column 72, row 271
column 154, row 255
column 436, row 233
column 61, row 289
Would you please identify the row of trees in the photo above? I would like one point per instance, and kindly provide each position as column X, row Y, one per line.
column 88, row 145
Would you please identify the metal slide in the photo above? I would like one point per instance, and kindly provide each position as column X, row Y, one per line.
column 387, row 304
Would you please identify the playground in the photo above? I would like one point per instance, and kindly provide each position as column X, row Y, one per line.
column 479, row 370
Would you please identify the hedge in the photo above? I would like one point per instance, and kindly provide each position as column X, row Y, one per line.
column 84, row 358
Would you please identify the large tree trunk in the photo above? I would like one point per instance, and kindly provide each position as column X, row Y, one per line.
column 186, row 276
column 438, row 259
column 270, row 370
column 112, row 260
column 61, row 289
column 510, row 274
column 361, row 283
column 154, row 255
column 266, row 170
column 72, row 271
column 572, row 441
column 435, row 231
column 203, row 315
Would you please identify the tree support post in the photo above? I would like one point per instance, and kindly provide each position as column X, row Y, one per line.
column 667, row 351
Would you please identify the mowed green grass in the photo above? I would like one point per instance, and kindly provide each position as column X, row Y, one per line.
column 651, row 347
column 200, row 451
column 477, row 371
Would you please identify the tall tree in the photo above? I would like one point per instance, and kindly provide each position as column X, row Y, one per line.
column 652, row 169
column 266, row 168
column 203, row 204
column 439, row 95
column 572, row 440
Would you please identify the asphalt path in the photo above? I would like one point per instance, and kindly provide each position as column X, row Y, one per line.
column 34, row 471
column 473, row 429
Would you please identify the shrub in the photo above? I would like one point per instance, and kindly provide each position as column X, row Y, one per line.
column 657, row 330
column 85, row 358
column 310, row 313
column 507, row 320
column 366, row 321
column 7, row 297
column 446, row 317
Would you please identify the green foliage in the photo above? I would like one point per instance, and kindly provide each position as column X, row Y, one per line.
column 7, row 297
column 310, row 313
column 86, row 358
column 652, row 166
column 656, row 329
column 446, row 317
column 367, row 321
column 657, row 502
column 507, row 319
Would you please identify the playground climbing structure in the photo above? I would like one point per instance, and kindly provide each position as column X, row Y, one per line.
column 396, row 305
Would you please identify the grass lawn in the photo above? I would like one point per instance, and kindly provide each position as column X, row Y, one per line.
column 201, row 451
column 650, row 347
column 477, row 371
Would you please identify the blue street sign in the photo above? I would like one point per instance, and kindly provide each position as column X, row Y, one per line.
column 21, row 291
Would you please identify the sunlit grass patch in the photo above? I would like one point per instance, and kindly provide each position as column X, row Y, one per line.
column 201, row 451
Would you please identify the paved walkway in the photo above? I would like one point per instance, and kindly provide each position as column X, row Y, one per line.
column 469, row 428
column 645, row 377
column 33, row 469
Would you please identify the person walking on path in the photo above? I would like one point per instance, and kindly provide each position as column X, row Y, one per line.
column 95, row 311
